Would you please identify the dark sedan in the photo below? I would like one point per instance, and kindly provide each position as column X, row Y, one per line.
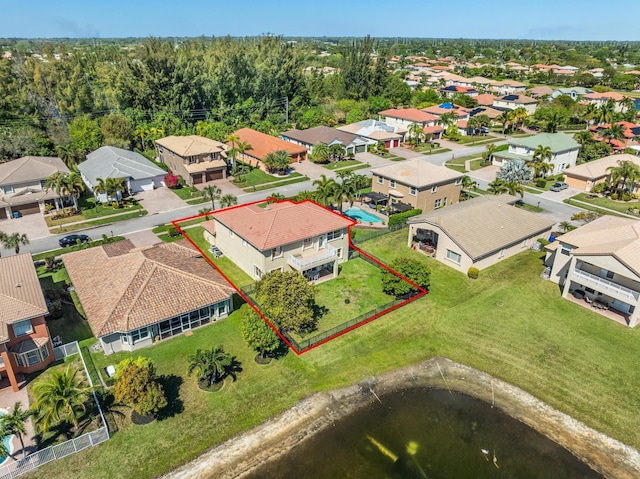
column 73, row 240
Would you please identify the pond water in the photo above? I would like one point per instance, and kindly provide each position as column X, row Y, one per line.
column 428, row 433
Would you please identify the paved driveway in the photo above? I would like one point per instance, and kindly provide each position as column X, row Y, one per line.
column 33, row 226
column 404, row 152
column 488, row 173
column 159, row 200
column 309, row 169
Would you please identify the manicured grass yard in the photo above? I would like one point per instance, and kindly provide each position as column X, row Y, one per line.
column 619, row 206
column 341, row 164
column 258, row 177
column 360, row 283
column 509, row 322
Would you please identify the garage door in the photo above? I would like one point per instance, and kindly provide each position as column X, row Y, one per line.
column 197, row 179
column 28, row 209
column 360, row 148
column 214, row 175
column 141, row 185
column 3, row 213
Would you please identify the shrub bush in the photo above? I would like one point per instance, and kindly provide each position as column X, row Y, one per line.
column 614, row 196
column 626, row 196
column 473, row 273
column 402, row 217
column 173, row 231
column 543, row 241
column 171, row 180
column 541, row 183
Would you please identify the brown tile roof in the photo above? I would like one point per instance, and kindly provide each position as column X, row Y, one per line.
column 437, row 111
column 418, row 173
column 280, row 223
column 30, row 168
column 410, row 114
column 608, row 235
column 520, row 99
column 540, row 91
column 20, row 292
column 263, row 144
column 486, row 224
column 604, row 96
column 192, row 145
column 319, row 134
column 125, row 290
column 597, row 169
column 485, row 99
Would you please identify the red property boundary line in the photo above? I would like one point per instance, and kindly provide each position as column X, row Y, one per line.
column 421, row 291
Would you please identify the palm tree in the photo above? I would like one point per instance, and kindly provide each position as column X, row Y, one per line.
column 61, row 397
column 519, row 115
column 142, row 132
column 505, row 118
column 607, row 112
column 541, row 161
column 115, row 187
column 554, row 119
column 490, row 150
column 468, row 183
column 13, row 241
column 589, row 113
column 416, row 132
column 614, row 132
column 278, row 161
column 325, row 190
column 58, row 183
column 68, row 155
column 447, row 119
column 234, row 150
column 320, row 153
column 243, row 147
column 336, row 152
column 583, row 137
column 514, row 188
column 75, row 185
column 627, row 171
column 212, row 193
column 100, row 189
column 14, row 423
column 210, row 364
column 497, row 187
column 565, row 226
column 228, row 200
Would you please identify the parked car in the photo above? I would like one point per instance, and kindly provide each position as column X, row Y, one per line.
column 534, row 127
column 484, row 130
column 73, row 240
column 216, row 251
column 559, row 186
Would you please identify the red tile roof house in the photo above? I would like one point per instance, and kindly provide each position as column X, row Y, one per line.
column 288, row 236
column 450, row 90
column 600, row 99
column 263, row 144
column 25, row 345
column 405, row 117
column 133, row 297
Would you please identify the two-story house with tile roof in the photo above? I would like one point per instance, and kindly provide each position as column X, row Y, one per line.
column 288, row 236
column 564, row 150
column 195, row 158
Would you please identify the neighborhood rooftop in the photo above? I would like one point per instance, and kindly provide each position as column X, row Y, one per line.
column 600, row 168
column 111, row 162
column 417, row 173
column 20, row 292
column 486, row 224
column 410, row 114
column 263, row 144
column 29, row 167
column 556, row 141
column 278, row 223
column 123, row 288
column 320, row 134
column 192, row 145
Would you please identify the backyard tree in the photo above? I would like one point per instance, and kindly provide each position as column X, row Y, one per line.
column 210, row 365
column 413, row 270
column 137, row 387
column 14, row 423
column 60, row 397
column 258, row 334
column 287, row 299
column 13, row 241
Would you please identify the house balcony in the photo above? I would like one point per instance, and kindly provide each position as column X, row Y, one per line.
column 605, row 285
column 313, row 258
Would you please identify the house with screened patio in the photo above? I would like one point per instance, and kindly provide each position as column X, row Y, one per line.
column 133, row 297
column 288, row 236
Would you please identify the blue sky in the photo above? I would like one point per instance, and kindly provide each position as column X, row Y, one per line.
column 533, row 19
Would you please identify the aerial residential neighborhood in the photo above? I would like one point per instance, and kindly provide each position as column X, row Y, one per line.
column 329, row 255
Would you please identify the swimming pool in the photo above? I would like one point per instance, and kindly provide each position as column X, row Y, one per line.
column 357, row 214
column 6, row 440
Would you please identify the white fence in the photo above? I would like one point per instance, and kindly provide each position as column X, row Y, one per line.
column 52, row 453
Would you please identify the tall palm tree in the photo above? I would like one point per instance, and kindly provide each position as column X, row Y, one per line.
column 320, row 153
column 115, row 188
column 416, row 132
column 75, row 185
column 58, row 183
column 614, row 132
column 243, row 147
column 212, row 193
column 325, row 190
column 514, row 188
column 627, row 171
column 61, row 397
column 447, row 119
column 607, row 112
column 228, row 200
column 13, row 241
column 209, row 364
column 505, row 119
column 554, row 119
column 497, row 187
column 589, row 114
column 468, row 183
column 519, row 115
column 541, row 161
column 490, row 150
column 68, row 155
column 14, row 423
column 336, row 151
column 100, row 188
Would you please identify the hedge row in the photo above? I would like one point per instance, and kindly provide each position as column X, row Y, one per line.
column 403, row 217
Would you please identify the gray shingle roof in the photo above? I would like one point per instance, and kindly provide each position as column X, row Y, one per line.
column 111, row 162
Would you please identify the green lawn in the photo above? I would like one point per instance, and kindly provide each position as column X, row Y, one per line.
column 603, row 202
column 509, row 323
column 258, row 177
column 533, row 191
column 187, row 193
column 58, row 252
column 268, row 186
column 477, row 164
column 89, row 212
column 528, row 207
column 338, row 165
column 100, row 222
column 359, row 283
column 478, row 140
column 453, row 166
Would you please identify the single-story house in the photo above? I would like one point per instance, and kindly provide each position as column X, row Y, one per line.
column 329, row 136
column 564, row 150
column 417, row 183
column 263, row 144
column 375, row 131
column 575, row 92
column 587, row 175
column 288, row 236
column 22, row 183
column 25, row 345
column 195, row 158
column 477, row 233
column 598, row 264
column 134, row 297
column 139, row 173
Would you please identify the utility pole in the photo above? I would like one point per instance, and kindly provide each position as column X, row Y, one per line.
column 286, row 110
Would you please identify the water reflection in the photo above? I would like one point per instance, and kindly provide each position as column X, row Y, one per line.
column 428, row 434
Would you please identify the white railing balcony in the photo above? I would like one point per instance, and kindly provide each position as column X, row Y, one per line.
column 604, row 285
column 313, row 258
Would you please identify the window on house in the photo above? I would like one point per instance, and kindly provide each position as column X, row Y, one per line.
column 453, row 256
column 192, row 160
column 22, row 327
column 380, row 180
column 307, row 243
column 231, row 234
column 413, row 191
column 43, row 183
column 44, row 352
column 331, row 235
column 434, row 189
column 438, row 203
column 257, row 272
column 339, row 252
column 7, row 189
column 124, row 338
column 19, row 360
column 140, row 334
column 34, row 356
column 566, row 249
column 444, row 201
column 606, row 273
column 392, row 183
column 458, row 181
column 276, row 252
